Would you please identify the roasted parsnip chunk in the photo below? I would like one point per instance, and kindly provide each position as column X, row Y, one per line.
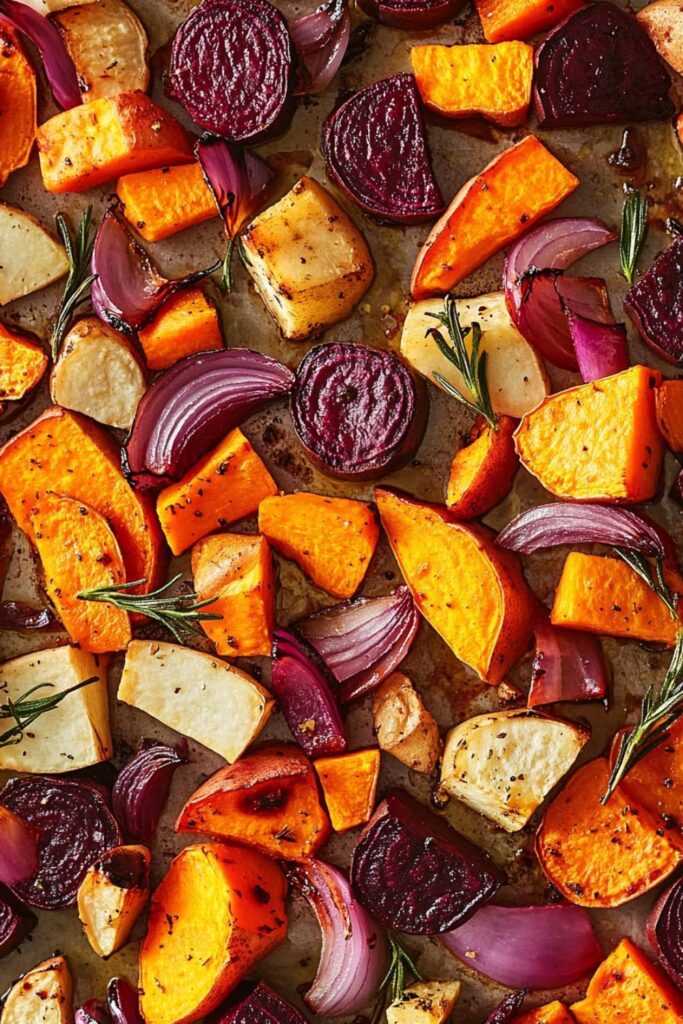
column 43, row 996
column 425, row 1002
column 108, row 46
column 30, row 258
column 663, row 22
column 403, row 726
column 112, row 896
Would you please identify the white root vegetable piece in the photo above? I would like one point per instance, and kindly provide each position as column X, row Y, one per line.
column 98, row 373
column 108, row 46
column 403, row 726
column 46, row 7
column 43, row 996
column 112, row 896
column 74, row 734
column 504, row 764
column 425, row 1002
column 663, row 22
column 30, row 258
column 197, row 694
column 308, row 260
column 516, row 377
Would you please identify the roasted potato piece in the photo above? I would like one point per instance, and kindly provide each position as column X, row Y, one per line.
column 504, row 764
column 403, row 726
column 108, row 46
column 663, row 22
column 43, row 996
column 425, row 1002
column 308, row 260
column 98, row 373
column 30, row 258
column 112, row 896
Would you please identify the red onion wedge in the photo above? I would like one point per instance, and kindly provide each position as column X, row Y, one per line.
column 262, row 1006
column 142, row 786
column 92, row 1012
column 411, row 14
column 305, row 698
column 527, row 947
column 559, row 522
column 46, row 37
column 128, row 289
column 190, row 407
column 123, row 1002
column 507, row 1008
column 568, row 665
column 362, row 641
column 16, row 921
column 601, row 349
column 18, row 849
column 355, row 953
column 665, row 931
column 238, row 178
column 375, row 149
column 321, row 40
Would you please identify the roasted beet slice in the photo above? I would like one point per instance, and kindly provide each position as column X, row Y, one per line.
column 598, row 66
column 411, row 14
column 75, row 827
column 655, row 303
column 375, row 149
column 231, row 67
column 415, row 873
column 358, row 411
column 262, row 1006
column 16, row 921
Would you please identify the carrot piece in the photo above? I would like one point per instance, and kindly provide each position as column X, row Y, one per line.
column 669, row 406
column 226, row 485
column 656, row 781
column 597, row 441
column 483, row 471
column 493, row 208
column 186, row 323
column 476, row 78
column 605, row 596
column 521, row 19
column 91, row 144
column 66, row 453
column 17, row 104
column 165, row 200
column 331, row 539
column 553, row 1013
column 238, row 572
column 218, row 911
column 78, row 552
column 267, row 800
column 22, row 361
column 602, row 856
column 349, row 785
column 628, row 988
column 471, row 591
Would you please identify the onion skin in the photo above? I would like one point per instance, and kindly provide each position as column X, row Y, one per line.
column 19, row 843
column 262, row 1006
column 321, row 40
column 665, row 931
column 601, row 349
column 142, row 787
column 123, row 1003
column 46, row 37
column 559, row 522
column 16, row 921
column 411, row 14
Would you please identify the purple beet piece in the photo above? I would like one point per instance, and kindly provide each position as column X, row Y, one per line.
column 75, row 827
column 16, row 921
column 655, row 303
column 123, row 1002
column 599, row 66
column 359, row 412
column 507, row 1008
column 411, row 14
column 375, row 149
column 415, row 873
column 262, row 1006
column 231, row 68
column 306, row 698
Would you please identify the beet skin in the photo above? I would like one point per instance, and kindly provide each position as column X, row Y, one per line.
column 655, row 304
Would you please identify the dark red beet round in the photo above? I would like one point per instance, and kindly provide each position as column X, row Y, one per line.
column 411, row 14
column 75, row 827
column 16, row 921
column 415, row 873
column 665, row 931
column 231, row 67
column 375, row 149
column 358, row 411
column 262, row 1006
column 655, row 304
column 597, row 66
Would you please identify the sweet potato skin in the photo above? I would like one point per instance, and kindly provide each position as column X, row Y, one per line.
column 627, row 988
column 186, row 323
column 602, row 856
column 552, row 1013
column 482, row 473
column 331, row 539
column 349, row 785
column 669, row 406
column 486, row 618
column 22, row 361
column 17, row 103
column 166, row 200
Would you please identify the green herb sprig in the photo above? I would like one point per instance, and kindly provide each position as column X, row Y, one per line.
column 470, row 364
column 25, row 711
column 78, row 252
column 655, row 581
column 393, row 984
column 633, row 227
column 179, row 613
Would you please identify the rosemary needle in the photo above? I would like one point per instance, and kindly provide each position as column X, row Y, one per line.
column 393, row 984
column 78, row 253
column 470, row 364
column 25, row 711
column 633, row 226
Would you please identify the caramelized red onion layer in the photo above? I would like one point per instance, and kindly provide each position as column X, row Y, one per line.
column 507, row 1008
column 321, row 40
column 238, row 178
column 123, row 1002
column 16, row 921
column 546, row 526
column 568, row 665
column 92, row 1012
column 142, row 786
column 46, row 37
column 601, row 348
column 17, row 615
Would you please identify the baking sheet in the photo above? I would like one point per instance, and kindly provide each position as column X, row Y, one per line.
column 450, row 690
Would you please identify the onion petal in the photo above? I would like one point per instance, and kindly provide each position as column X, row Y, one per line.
column 238, row 178
column 527, row 947
column 92, row 1012
column 600, row 348
column 321, row 40
column 142, row 786
column 362, row 641
column 16, row 921
column 46, row 37
column 19, row 849
column 568, row 665
column 559, row 522
column 355, row 953
column 305, row 699
column 665, row 931
column 507, row 1008
column 123, row 1002
column 190, row 407
column 20, row 616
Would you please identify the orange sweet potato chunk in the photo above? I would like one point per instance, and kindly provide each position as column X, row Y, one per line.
column 552, row 1013
column 267, row 800
column 483, row 471
column 349, row 785
column 604, row 595
column 472, row 592
column 98, row 141
column 516, row 189
column 17, row 103
column 226, row 485
column 238, row 571
column 669, row 403
column 628, row 989
column 656, row 781
column 598, row 441
column 218, row 911
column 331, row 539
column 186, row 323
column 602, row 856
column 521, row 19
column 22, row 361
column 165, row 200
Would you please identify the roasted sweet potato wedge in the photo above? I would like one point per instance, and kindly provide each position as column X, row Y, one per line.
column 552, row 1013
column 163, row 201
column 187, row 322
column 482, row 473
column 22, row 363
column 112, row 896
column 521, row 19
column 656, row 781
column 349, row 785
column 17, row 103
column 627, row 988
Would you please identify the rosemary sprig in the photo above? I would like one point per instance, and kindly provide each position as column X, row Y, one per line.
column 655, row 582
column 470, row 364
column 180, row 613
column 394, row 982
column 25, row 711
column 78, row 253
column 633, row 227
